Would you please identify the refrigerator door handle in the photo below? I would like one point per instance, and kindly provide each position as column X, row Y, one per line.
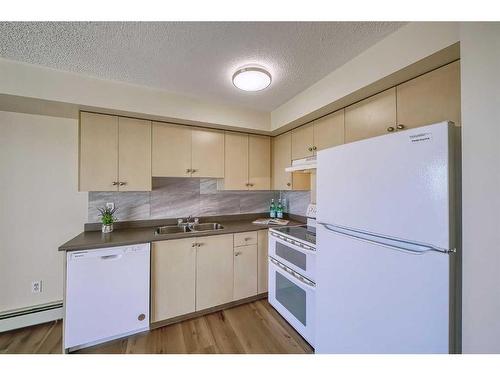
column 386, row 241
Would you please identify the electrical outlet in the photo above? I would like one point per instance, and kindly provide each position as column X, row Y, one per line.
column 36, row 286
column 110, row 205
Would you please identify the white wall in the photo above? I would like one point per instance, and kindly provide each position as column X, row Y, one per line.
column 404, row 47
column 32, row 81
column 40, row 207
column 480, row 77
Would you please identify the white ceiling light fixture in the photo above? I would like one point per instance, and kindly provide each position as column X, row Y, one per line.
column 251, row 78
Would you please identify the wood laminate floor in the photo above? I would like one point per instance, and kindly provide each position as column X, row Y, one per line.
column 251, row 328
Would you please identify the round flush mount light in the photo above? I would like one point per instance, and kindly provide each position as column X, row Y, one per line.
column 251, row 79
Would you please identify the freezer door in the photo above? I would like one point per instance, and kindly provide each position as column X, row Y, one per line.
column 376, row 299
column 397, row 184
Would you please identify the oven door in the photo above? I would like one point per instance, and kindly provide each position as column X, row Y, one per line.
column 293, row 297
column 294, row 255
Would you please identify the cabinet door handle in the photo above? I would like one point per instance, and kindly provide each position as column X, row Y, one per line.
column 237, row 253
column 115, row 183
column 288, row 184
column 194, row 244
column 198, row 244
column 390, row 129
column 315, row 148
column 193, row 170
column 310, row 148
column 122, row 183
column 188, row 170
column 400, row 126
column 248, row 238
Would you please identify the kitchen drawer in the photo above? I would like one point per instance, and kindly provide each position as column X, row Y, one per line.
column 245, row 238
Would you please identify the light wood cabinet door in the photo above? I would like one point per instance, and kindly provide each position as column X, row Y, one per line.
column 214, row 271
column 171, row 150
column 236, row 161
column 245, row 272
column 430, row 98
column 282, row 158
column 173, row 276
column 259, row 165
column 134, row 154
column 245, row 238
column 371, row 117
column 207, row 155
column 329, row 131
column 262, row 260
column 302, row 142
column 98, row 151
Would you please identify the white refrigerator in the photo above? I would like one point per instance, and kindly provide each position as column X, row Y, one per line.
column 386, row 244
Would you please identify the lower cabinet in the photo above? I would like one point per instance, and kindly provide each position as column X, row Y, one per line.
column 193, row 274
column 262, row 260
column 245, row 265
column 214, row 271
column 173, row 276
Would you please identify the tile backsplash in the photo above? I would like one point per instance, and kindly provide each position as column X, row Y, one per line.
column 181, row 197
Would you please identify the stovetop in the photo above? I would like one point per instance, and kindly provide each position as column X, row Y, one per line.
column 302, row 233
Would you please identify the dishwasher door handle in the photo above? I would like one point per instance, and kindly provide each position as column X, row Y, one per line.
column 111, row 257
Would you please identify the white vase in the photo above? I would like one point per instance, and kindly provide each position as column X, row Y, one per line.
column 107, row 228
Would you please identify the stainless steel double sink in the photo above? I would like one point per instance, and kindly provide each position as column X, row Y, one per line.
column 187, row 228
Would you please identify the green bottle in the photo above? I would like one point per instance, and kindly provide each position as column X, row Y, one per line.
column 272, row 209
column 279, row 210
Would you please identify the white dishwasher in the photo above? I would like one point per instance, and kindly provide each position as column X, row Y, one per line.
column 107, row 294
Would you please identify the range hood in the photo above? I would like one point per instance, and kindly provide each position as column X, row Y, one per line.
column 302, row 165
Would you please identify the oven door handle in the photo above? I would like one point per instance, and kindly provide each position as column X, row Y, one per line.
column 302, row 280
column 292, row 244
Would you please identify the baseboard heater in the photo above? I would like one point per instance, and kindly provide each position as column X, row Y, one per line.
column 29, row 316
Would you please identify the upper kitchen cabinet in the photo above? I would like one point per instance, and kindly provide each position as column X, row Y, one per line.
column 171, row 156
column 302, row 142
column 430, row 98
column 134, row 154
column 98, row 152
column 236, row 161
column 371, row 117
column 115, row 153
column 282, row 158
column 183, row 151
column 259, row 164
column 328, row 131
column 207, row 154
column 325, row 132
column 247, row 162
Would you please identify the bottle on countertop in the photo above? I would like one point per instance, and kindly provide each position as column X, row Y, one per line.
column 272, row 209
column 279, row 210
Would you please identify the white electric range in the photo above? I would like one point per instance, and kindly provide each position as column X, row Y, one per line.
column 292, row 268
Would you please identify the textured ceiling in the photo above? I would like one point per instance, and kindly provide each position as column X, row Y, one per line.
column 195, row 58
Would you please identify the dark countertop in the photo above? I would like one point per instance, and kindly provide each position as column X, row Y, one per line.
column 134, row 235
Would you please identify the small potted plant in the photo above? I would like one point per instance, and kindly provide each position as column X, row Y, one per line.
column 107, row 218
